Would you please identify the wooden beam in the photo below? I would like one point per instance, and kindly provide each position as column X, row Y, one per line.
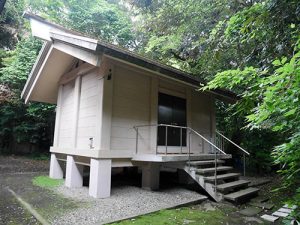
column 57, row 117
column 79, row 53
column 79, row 71
column 77, row 90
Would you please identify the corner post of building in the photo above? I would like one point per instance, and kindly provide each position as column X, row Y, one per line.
column 100, row 169
column 55, row 171
column 150, row 176
column 100, row 178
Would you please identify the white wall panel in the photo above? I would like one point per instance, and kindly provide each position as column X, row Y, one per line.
column 131, row 106
column 89, row 96
column 66, row 116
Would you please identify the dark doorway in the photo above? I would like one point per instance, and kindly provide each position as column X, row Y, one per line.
column 171, row 111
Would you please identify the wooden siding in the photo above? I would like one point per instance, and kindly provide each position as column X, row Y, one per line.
column 66, row 116
column 89, row 95
column 133, row 101
column 131, row 106
column 201, row 120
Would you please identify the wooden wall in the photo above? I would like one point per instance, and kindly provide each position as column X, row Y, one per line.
column 128, row 99
column 87, row 116
column 66, row 116
column 131, row 106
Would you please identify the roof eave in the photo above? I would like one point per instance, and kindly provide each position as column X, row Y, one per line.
column 34, row 71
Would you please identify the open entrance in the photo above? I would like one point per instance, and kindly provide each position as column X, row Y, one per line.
column 171, row 111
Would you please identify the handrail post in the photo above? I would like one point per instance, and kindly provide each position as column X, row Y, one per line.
column 215, row 170
column 166, row 140
column 156, row 144
column 244, row 156
column 189, row 150
column 181, row 140
column 137, row 139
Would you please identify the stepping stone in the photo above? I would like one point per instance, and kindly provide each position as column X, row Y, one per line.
column 251, row 211
column 260, row 199
column 252, row 219
column 269, row 218
column 290, row 207
column 263, row 205
column 280, row 214
column 285, row 210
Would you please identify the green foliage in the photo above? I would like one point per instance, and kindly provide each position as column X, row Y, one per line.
column 100, row 19
column 273, row 97
column 18, row 65
column 45, row 181
column 19, row 123
column 10, row 23
column 188, row 34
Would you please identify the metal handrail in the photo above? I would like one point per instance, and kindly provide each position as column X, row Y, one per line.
column 181, row 127
column 189, row 142
column 236, row 145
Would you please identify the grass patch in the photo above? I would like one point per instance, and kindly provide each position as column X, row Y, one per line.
column 45, row 181
column 185, row 215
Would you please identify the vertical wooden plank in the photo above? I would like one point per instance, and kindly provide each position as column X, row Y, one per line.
column 189, row 121
column 212, row 119
column 153, row 112
column 100, row 83
column 107, row 108
column 104, row 106
column 76, row 110
column 57, row 117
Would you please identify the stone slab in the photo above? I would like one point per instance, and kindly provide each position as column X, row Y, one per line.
column 285, row 210
column 263, row 205
column 280, row 214
column 269, row 218
column 260, row 199
column 290, row 207
column 250, row 211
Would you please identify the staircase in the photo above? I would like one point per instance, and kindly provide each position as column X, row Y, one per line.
column 208, row 170
column 228, row 184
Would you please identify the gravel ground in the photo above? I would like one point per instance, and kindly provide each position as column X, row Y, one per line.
column 125, row 202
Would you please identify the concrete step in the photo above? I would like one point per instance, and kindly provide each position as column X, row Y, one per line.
column 212, row 170
column 222, row 177
column 234, row 184
column 205, row 162
column 235, row 196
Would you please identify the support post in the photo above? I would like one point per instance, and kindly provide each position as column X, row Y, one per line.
column 55, row 171
column 150, row 176
column 74, row 173
column 100, row 178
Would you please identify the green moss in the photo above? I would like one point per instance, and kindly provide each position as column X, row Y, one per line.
column 178, row 216
column 45, row 181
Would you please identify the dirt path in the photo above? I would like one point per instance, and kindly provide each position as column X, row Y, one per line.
column 11, row 212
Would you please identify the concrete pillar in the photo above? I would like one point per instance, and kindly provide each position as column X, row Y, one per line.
column 74, row 173
column 150, row 176
column 56, row 171
column 100, row 178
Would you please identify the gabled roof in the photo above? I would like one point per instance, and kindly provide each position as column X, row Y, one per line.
column 61, row 42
